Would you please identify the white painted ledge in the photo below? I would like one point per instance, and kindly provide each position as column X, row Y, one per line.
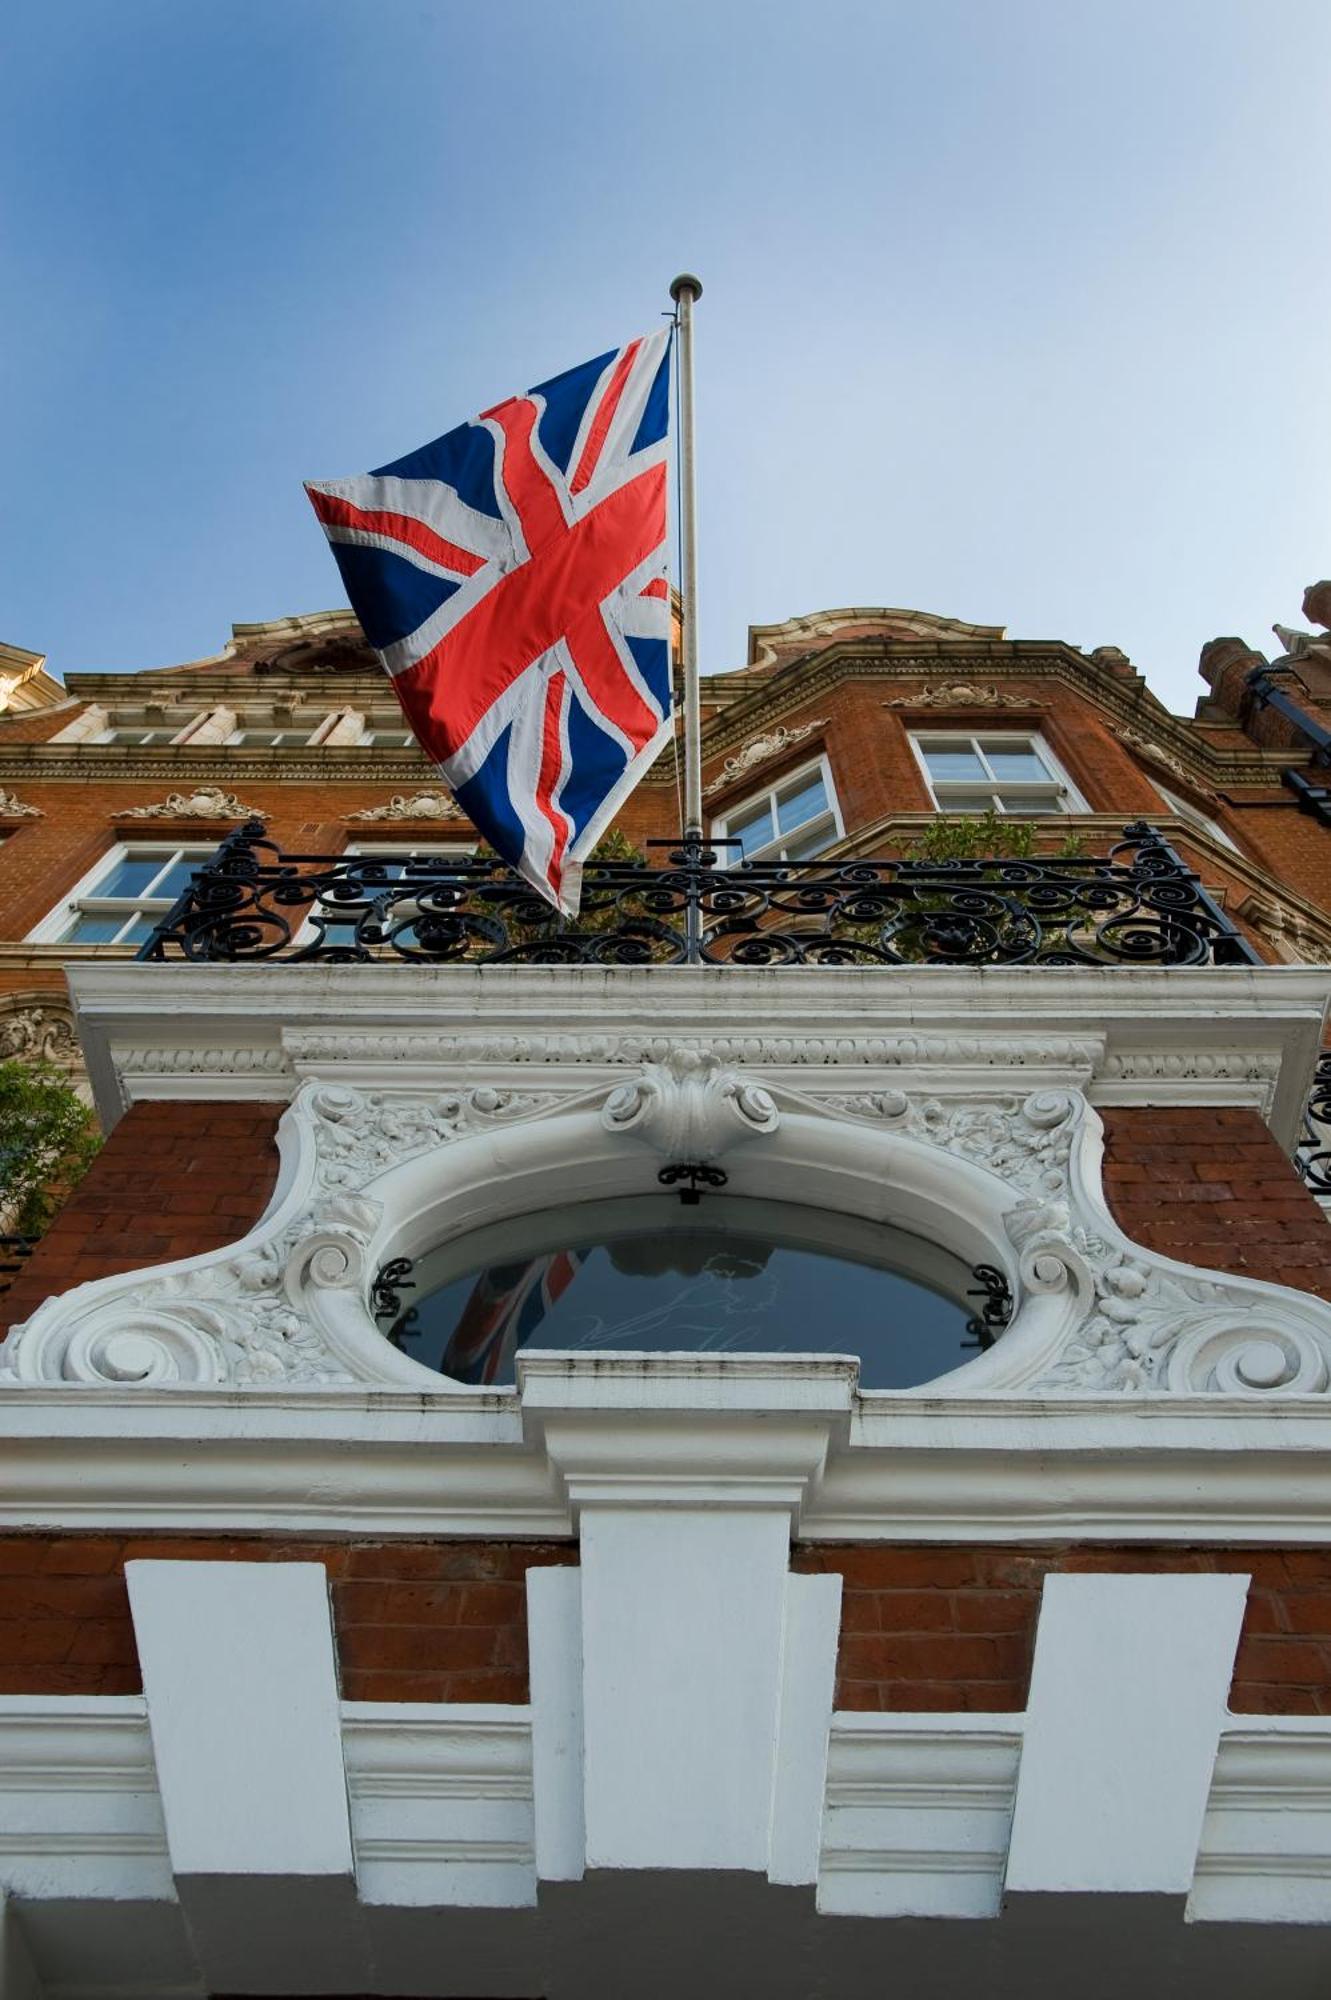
column 1233, row 1035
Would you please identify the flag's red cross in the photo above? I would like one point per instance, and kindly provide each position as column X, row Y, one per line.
column 571, row 568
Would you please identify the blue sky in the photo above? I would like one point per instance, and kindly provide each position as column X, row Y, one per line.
column 1016, row 310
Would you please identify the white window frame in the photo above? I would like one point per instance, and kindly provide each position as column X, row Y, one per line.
column 83, row 901
column 774, row 849
column 141, row 734
column 1193, row 816
column 244, row 736
column 943, row 791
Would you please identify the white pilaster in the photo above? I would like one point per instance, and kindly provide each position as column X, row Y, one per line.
column 701, row 1657
column 554, row 1647
column 1126, row 1707
column 241, row 1687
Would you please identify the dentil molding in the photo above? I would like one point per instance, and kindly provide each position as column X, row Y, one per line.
column 1004, row 1177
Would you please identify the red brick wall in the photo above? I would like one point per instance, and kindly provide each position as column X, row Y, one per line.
column 415, row 1621
column 1212, row 1187
column 173, row 1180
column 922, row 1627
column 954, row 1629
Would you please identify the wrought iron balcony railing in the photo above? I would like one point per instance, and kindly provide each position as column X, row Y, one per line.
column 1138, row 905
column 14, row 1254
column 1312, row 1155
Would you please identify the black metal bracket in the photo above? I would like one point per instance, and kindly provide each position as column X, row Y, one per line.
column 697, row 1175
column 996, row 1312
column 1266, row 694
column 393, row 1279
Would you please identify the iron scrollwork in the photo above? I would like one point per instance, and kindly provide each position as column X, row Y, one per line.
column 392, row 1280
column 1138, row 905
column 983, row 1329
column 691, row 1179
column 1312, row 1156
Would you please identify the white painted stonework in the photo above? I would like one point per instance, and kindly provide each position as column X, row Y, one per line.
column 464, row 1869
column 1130, row 1395
column 1005, row 1177
column 679, row 1797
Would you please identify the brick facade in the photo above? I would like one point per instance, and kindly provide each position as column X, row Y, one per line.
column 954, row 1628
column 414, row 1621
column 1211, row 1186
column 925, row 1627
column 865, row 683
column 173, row 1180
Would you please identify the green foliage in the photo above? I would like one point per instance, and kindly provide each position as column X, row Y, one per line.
column 47, row 1140
column 975, row 837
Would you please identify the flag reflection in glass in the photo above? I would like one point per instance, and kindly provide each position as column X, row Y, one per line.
column 507, row 1304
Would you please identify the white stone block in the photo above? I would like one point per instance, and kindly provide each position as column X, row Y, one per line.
column 1126, row 1707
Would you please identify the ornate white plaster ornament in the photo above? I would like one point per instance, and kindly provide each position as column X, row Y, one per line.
column 759, row 750
column 37, row 1034
column 12, row 808
column 1026, row 1141
column 1293, row 936
column 1154, row 753
column 413, row 805
column 1148, row 1324
column 204, row 802
column 690, row 1107
column 1011, row 1179
column 360, row 1134
column 963, row 694
column 634, row 1048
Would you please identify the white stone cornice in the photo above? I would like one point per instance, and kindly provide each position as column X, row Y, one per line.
column 1014, row 1469
column 1217, row 1035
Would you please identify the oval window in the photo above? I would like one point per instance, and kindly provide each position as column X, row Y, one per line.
column 649, row 1274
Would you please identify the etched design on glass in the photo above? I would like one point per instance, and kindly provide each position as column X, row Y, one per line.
column 736, row 1276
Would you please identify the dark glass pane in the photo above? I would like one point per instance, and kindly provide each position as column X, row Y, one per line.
column 806, row 844
column 752, row 830
column 794, row 808
column 964, row 802
column 960, row 764
column 1017, row 764
column 175, row 881
column 130, row 876
column 94, row 930
column 736, row 1277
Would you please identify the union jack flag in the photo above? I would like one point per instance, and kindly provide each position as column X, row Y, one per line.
column 506, row 1305
column 511, row 577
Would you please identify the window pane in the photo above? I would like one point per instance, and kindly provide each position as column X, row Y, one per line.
column 142, row 928
column 1018, row 763
column 752, row 829
column 130, row 876
column 174, row 881
column 964, row 802
column 749, row 1277
column 1030, row 808
column 805, row 802
column 93, row 930
column 812, row 842
column 959, row 763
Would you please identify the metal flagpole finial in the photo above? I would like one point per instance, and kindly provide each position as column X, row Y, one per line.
column 686, row 282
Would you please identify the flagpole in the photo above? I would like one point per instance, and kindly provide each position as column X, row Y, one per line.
column 686, row 290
